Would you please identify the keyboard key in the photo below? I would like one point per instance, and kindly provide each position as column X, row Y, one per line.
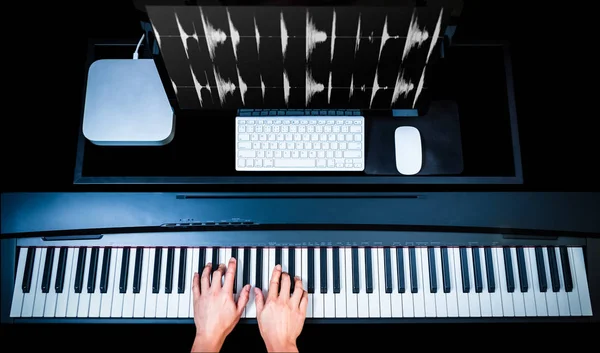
column 489, row 270
column 169, row 270
column 522, row 269
column 355, row 271
column 106, row 261
column 47, row 270
column 28, row 273
column 137, row 273
column 446, row 270
column 553, row 264
column 412, row 259
column 400, row 266
column 510, row 280
column 539, row 262
column 91, row 284
column 62, row 266
column 566, row 268
column 433, row 287
column 387, row 269
column 466, row 284
column 477, row 270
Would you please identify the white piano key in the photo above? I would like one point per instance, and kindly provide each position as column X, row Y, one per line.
column 318, row 297
column 428, row 297
column 224, row 259
column 452, row 298
column 73, row 299
column 285, row 258
column 267, row 271
column 474, row 304
column 507, row 297
column 496, row 296
column 441, row 308
column 419, row 297
column 129, row 297
column 96, row 298
column 271, row 267
column 484, row 297
column 540, row 297
column 117, row 300
column 239, row 279
column 351, row 297
column 329, row 297
column 227, row 258
column 305, row 281
column 40, row 298
column 561, row 295
column 363, row 298
column 408, row 307
column 151, row 297
column 139, row 306
column 551, row 298
column 518, row 299
column 578, row 267
column 83, row 308
column 463, row 298
column 574, row 305
column 340, row 298
column 106, row 300
column 385, row 299
column 162, row 299
column 195, row 257
column 529, row 296
column 50, row 307
column 251, row 306
column 62, row 299
column 17, row 301
column 207, row 257
column 173, row 297
column 297, row 263
column 395, row 296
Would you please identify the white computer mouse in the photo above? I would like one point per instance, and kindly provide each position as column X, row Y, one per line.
column 409, row 152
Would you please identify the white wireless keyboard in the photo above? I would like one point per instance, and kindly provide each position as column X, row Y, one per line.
column 300, row 143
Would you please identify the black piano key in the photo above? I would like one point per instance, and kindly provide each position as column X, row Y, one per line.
column 78, row 285
column 323, row 268
column 215, row 259
column 259, row 267
column 234, row 254
column 311, row 270
column 552, row 262
column 446, row 270
column 400, row 270
column 91, row 284
column 489, row 270
column 566, row 268
column 201, row 260
column 278, row 256
column 47, row 274
column 105, row 270
column 62, row 268
column 182, row 270
column 28, row 270
column 464, row 270
column 246, row 272
column 292, row 266
column 124, row 270
column 508, row 267
column 355, row 274
column 412, row 263
column 541, row 269
column 432, row 270
column 336, row 270
column 387, row 269
column 170, row 268
column 157, row 269
column 477, row 270
column 137, row 272
column 369, row 269
column 522, row 268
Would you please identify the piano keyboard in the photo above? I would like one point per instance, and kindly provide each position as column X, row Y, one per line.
column 342, row 282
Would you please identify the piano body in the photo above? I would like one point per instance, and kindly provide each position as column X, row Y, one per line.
column 373, row 257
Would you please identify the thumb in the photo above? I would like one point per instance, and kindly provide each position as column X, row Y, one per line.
column 259, row 301
column 243, row 299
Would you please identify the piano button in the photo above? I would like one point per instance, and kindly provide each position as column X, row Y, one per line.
column 153, row 282
column 106, row 261
column 323, row 268
column 215, row 259
column 419, row 296
column 251, row 306
column 342, row 287
column 201, row 259
column 311, row 270
column 305, row 281
column 329, row 295
column 351, row 295
column 17, row 299
column 83, row 309
column 94, row 284
column 489, row 269
column 541, row 271
column 318, row 298
column 509, row 272
column 61, row 270
column 485, row 302
column 363, row 298
column 464, row 267
column 173, row 295
column 445, row 270
column 507, row 297
column 80, row 269
column 441, row 308
column 278, row 256
column 139, row 307
column 63, row 295
column 47, row 273
column 291, row 264
column 474, row 303
column 259, row 267
column 137, row 271
column 183, row 275
column 194, row 259
column 451, row 296
column 119, row 284
column 412, row 259
column 400, row 269
column 285, row 267
column 578, row 266
column 518, row 299
column 428, row 297
column 566, row 268
column 562, row 295
column 395, row 296
column 477, row 269
column 355, row 271
column 169, row 270
column 522, row 269
column 407, row 296
column 124, row 269
column 50, row 307
column 385, row 301
column 433, row 286
column 539, row 296
column 387, row 270
column 462, row 296
column 529, row 296
column 241, row 263
column 551, row 298
column 246, row 271
column 162, row 298
column 91, row 279
column 28, row 272
column 572, row 295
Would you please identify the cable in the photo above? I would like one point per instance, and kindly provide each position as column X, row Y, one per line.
column 135, row 54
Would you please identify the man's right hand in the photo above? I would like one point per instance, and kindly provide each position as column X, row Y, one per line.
column 281, row 317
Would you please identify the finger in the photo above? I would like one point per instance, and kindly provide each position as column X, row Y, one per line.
column 205, row 279
column 230, row 276
column 304, row 302
column 217, row 277
column 259, row 300
column 243, row 299
column 274, row 284
column 196, row 285
column 298, row 291
column 285, row 287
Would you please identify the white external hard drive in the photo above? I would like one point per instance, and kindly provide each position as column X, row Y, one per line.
column 126, row 104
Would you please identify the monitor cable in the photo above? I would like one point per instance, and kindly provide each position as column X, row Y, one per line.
column 135, row 54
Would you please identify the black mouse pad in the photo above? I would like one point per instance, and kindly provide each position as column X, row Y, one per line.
column 440, row 139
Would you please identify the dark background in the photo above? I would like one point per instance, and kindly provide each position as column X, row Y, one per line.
column 43, row 60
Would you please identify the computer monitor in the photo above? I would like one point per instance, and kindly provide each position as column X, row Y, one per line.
column 297, row 57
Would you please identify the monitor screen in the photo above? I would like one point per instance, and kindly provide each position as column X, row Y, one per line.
column 220, row 57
